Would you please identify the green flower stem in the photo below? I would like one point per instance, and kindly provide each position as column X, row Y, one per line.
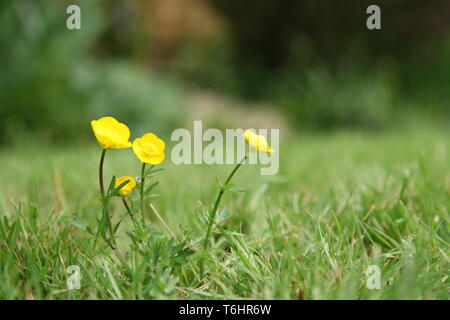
column 142, row 191
column 112, row 240
column 100, row 173
column 212, row 216
column 125, row 204
column 105, row 202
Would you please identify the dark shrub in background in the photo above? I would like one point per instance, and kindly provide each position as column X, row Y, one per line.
column 306, row 52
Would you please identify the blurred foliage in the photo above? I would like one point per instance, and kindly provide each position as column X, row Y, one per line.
column 319, row 63
column 315, row 61
column 52, row 84
column 208, row 65
column 266, row 31
column 347, row 99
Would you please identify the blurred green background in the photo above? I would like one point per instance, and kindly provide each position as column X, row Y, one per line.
column 158, row 64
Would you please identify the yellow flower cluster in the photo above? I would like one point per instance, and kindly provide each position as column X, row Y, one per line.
column 111, row 134
column 149, row 149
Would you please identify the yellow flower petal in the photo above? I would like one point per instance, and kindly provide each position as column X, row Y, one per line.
column 258, row 142
column 149, row 149
column 127, row 188
column 110, row 133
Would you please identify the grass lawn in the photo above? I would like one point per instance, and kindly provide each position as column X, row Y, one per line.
column 340, row 203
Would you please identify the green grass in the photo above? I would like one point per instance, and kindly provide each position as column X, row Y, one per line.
column 340, row 203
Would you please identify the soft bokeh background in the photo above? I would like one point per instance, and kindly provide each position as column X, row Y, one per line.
column 364, row 153
column 159, row 64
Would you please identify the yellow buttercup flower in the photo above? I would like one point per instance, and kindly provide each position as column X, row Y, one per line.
column 110, row 133
column 258, row 142
column 127, row 188
column 149, row 149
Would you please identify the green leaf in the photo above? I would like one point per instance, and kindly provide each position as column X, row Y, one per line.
column 152, row 169
column 13, row 234
column 151, row 187
column 78, row 223
column 234, row 233
column 223, row 215
column 203, row 217
column 117, row 226
column 111, row 186
column 120, row 186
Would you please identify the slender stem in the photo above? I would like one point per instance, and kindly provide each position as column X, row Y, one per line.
column 235, row 169
column 125, row 204
column 212, row 216
column 142, row 191
column 105, row 201
column 113, row 242
column 100, row 173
